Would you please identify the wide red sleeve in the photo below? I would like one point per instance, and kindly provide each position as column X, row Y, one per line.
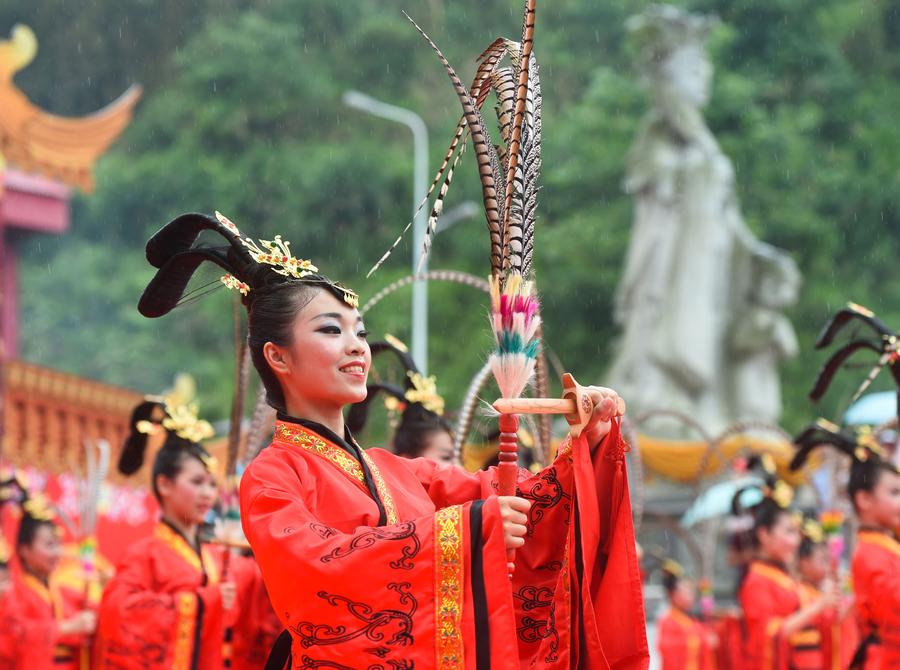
column 256, row 630
column 143, row 628
column 765, row 647
column 880, row 577
column 26, row 642
column 578, row 572
column 672, row 645
column 400, row 595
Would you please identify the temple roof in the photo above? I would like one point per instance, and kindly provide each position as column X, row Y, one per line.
column 59, row 147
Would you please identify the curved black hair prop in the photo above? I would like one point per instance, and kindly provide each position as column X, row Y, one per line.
column 181, row 233
column 166, row 289
column 176, row 254
column 12, row 492
column 405, row 358
column 846, row 316
column 359, row 412
column 132, row 457
column 833, row 364
column 886, row 345
column 821, row 434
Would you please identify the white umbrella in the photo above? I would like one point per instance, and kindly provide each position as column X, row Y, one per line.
column 716, row 500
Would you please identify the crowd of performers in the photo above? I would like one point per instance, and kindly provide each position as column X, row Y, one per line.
column 796, row 608
column 402, row 560
column 375, row 558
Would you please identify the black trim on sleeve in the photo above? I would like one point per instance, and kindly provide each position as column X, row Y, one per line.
column 198, row 633
column 479, row 595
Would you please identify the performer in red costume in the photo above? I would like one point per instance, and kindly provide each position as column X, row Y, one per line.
column 48, row 624
column 684, row 642
column 422, row 429
column 780, row 627
column 375, row 561
column 874, row 489
column 257, row 628
column 166, row 608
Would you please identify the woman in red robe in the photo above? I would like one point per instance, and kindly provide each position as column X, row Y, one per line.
column 50, row 625
column 837, row 626
column 167, row 608
column 255, row 631
column 422, row 429
column 684, row 642
column 375, row 561
column 781, row 628
column 874, row 488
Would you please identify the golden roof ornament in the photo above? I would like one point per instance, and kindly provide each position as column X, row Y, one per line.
column 59, row 147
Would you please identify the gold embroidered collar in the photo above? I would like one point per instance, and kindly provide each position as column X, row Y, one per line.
column 295, row 434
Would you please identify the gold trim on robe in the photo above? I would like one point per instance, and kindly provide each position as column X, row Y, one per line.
column 448, row 587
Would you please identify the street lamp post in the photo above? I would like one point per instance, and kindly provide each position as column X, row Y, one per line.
column 414, row 122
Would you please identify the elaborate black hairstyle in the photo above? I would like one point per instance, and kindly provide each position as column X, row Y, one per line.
column 422, row 406
column 672, row 573
column 35, row 509
column 263, row 273
column 176, row 253
column 177, row 418
column 11, row 492
column 884, row 342
column 868, row 459
column 812, row 536
column 776, row 498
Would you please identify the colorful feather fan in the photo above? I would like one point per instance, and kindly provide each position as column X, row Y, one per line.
column 509, row 173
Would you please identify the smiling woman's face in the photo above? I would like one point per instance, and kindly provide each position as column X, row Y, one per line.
column 328, row 359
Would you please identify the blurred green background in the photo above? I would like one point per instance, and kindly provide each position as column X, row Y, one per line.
column 242, row 113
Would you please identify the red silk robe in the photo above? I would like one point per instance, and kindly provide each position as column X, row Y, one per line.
column 163, row 609
column 392, row 563
column 257, row 628
column 876, row 579
column 29, row 627
column 840, row 638
column 684, row 643
column 768, row 596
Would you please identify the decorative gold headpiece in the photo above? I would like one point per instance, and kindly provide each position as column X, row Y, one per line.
column 277, row 253
column 37, row 507
column 812, row 529
column 425, row 393
column 674, row 568
column 181, row 413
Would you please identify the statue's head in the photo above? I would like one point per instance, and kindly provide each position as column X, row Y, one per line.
column 673, row 52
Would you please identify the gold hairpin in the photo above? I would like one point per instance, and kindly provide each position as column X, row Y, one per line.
column 277, row 253
column 424, row 392
column 812, row 529
column 673, row 568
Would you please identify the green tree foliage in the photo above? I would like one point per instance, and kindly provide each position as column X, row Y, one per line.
column 243, row 113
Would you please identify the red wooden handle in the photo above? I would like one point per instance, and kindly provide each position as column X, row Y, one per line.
column 508, row 469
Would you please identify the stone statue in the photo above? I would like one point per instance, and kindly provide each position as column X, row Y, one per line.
column 700, row 298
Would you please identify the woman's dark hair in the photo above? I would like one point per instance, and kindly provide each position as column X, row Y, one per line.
column 272, row 299
column 765, row 514
column 271, row 313
column 417, row 422
column 865, row 475
column 416, row 425
column 28, row 529
column 670, row 581
column 807, row 547
column 169, row 459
